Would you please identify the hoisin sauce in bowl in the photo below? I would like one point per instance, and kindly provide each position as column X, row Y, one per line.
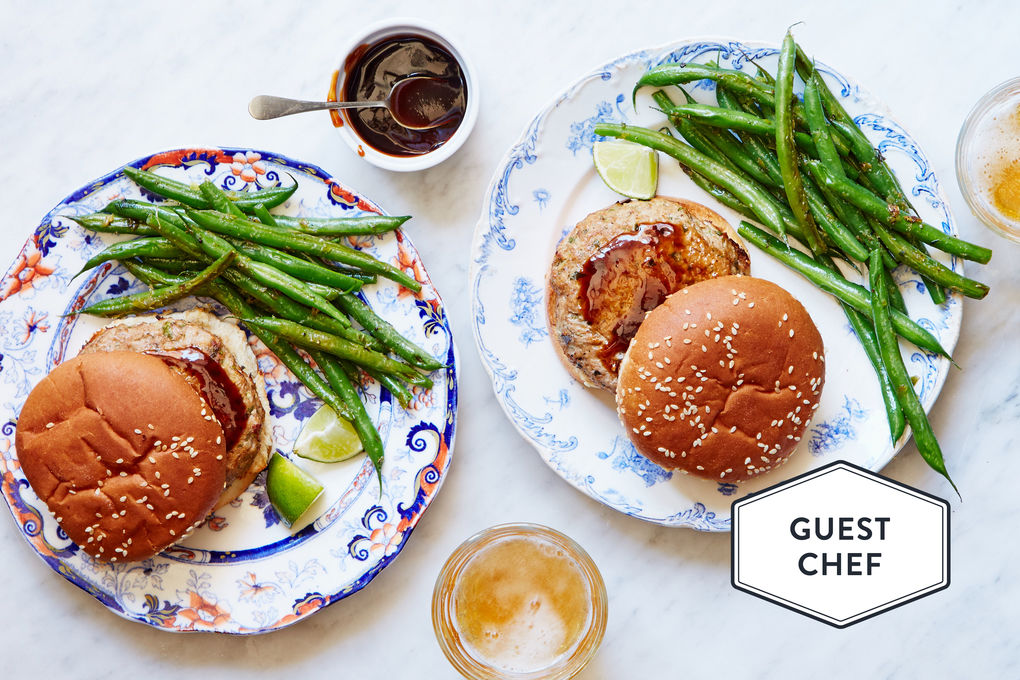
column 373, row 70
column 388, row 53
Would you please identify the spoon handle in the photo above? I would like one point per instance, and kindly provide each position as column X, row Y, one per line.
column 264, row 107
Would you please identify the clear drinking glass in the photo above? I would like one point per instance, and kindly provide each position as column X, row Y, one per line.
column 988, row 159
column 539, row 569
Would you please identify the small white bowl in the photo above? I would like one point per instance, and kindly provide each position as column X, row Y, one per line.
column 404, row 26
column 992, row 126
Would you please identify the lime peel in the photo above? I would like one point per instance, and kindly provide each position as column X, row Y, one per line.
column 627, row 168
column 327, row 438
column 291, row 490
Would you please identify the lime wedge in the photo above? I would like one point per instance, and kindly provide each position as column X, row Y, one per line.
column 327, row 438
column 291, row 490
column 627, row 168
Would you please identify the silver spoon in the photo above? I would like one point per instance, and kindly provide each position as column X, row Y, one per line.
column 266, row 107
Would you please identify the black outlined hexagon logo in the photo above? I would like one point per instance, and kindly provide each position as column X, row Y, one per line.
column 840, row 544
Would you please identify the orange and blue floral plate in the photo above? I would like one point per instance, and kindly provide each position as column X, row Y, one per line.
column 242, row 571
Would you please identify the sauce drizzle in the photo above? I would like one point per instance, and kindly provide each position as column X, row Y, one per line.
column 207, row 377
column 634, row 272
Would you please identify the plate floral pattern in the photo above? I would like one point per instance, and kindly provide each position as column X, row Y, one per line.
column 242, row 572
column 545, row 184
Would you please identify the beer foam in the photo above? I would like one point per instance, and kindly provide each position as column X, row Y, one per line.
column 521, row 604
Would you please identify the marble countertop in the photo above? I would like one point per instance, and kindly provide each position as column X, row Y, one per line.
column 88, row 86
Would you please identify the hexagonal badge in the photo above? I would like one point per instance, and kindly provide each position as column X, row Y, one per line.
column 840, row 544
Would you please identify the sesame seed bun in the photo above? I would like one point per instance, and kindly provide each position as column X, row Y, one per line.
column 226, row 344
column 618, row 263
column 721, row 379
column 122, row 450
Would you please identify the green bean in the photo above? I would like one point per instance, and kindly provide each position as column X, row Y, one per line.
column 925, row 265
column 393, row 385
column 676, row 74
column 173, row 265
column 187, row 195
column 878, row 209
column 853, row 219
column 866, row 334
column 159, row 297
column 827, row 153
column 754, row 145
column 154, row 246
column 335, row 345
column 309, row 272
column 140, row 211
column 264, row 216
column 312, row 245
column 111, row 224
column 287, row 355
column 924, row 437
column 218, row 200
column 367, row 225
column 235, row 303
column 165, row 187
column 854, row 295
column 692, row 134
column 269, row 197
column 935, row 291
column 719, row 145
column 719, row 194
column 198, row 243
column 383, row 331
column 363, row 425
column 860, row 145
column 786, row 150
column 840, row 235
column 748, row 192
column 895, row 297
column 278, row 304
column 738, row 152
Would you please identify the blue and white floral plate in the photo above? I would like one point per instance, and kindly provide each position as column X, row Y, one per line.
column 546, row 184
column 242, row 572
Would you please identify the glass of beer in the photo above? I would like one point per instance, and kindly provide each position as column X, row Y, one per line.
column 519, row 601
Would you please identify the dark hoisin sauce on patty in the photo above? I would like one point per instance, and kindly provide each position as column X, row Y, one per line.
column 633, row 273
column 207, row 377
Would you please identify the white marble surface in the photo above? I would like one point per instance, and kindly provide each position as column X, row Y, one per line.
column 86, row 87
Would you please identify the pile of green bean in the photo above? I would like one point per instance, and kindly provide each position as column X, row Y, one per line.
column 287, row 279
column 805, row 169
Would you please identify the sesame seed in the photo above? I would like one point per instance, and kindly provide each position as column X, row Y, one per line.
column 750, row 305
column 49, row 426
column 137, row 431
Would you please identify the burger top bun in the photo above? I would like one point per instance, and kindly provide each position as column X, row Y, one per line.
column 721, row 379
column 123, row 451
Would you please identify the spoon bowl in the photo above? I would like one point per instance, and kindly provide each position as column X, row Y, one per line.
column 417, row 102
